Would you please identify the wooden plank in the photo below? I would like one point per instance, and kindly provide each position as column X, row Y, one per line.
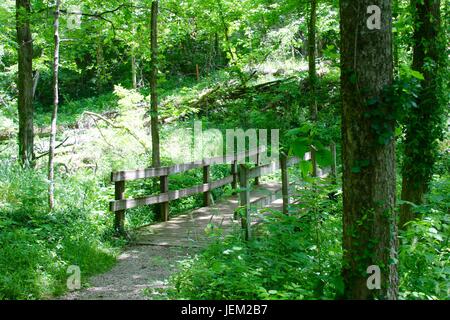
column 153, row 172
column 168, row 196
column 119, row 219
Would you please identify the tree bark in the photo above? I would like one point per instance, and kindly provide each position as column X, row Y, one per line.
column 25, row 82
column 424, row 127
column 312, row 74
column 369, row 188
column 396, row 39
column 156, row 158
column 51, row 153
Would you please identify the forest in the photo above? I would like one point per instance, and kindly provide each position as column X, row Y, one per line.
column 135, row 138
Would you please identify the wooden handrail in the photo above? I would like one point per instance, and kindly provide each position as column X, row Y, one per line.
column 124, row 204
column 120, row 204
column 180, row 168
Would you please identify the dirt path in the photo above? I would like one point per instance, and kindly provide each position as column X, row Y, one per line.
column 140, row 273
column 143, row 269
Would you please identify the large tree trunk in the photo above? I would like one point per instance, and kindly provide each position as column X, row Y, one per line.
column 369, row 221
column 396, row 39
column 25, row 82
column 156, row 158
column 51, row 153
column 424, row 126
column 312, row 74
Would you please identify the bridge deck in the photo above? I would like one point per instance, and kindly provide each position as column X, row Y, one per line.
column 193, row 229
column 144, row 267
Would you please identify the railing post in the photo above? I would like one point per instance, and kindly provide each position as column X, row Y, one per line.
column 235, row 175
column 257, row 165
column 206, row 179
column 284, row 182
column 245, row 200
column 333, row 162
column 119, row 219
column 164, row 207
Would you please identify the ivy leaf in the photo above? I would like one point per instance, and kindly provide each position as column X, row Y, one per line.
column 356, row 169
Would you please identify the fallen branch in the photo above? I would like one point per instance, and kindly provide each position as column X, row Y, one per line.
column 59, row 145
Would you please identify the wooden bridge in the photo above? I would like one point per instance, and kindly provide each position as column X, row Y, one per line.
column 226, row 210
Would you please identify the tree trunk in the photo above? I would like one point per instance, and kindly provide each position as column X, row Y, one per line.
column 133, row 60
column 25, row 82
column 424, row 125
column 133, row 71
column 156, row 158
column 226, row 31
column 51, row 153
column 369, row 221
column 312, row 74
column 396, row 39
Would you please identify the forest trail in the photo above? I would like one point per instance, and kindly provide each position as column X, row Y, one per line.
column 143, row 269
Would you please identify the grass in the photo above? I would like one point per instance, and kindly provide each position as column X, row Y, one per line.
column 37, row 247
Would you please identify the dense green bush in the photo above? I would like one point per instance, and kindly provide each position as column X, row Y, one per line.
column 425, row 248
column 36, row 246
column 292, row 257
column 298, row 256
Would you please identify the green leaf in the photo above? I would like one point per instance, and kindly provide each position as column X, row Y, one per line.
column 300, row 147
column 305, row 167
column 416, row 74
column 323, row 157
column 356, row 169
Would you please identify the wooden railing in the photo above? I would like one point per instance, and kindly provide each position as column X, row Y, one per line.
column 243, row 175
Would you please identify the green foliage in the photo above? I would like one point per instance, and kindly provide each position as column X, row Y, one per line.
column 36, row 247
column 305, row 138
column 71, row 111
column 424, row 252
column 292, row 257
